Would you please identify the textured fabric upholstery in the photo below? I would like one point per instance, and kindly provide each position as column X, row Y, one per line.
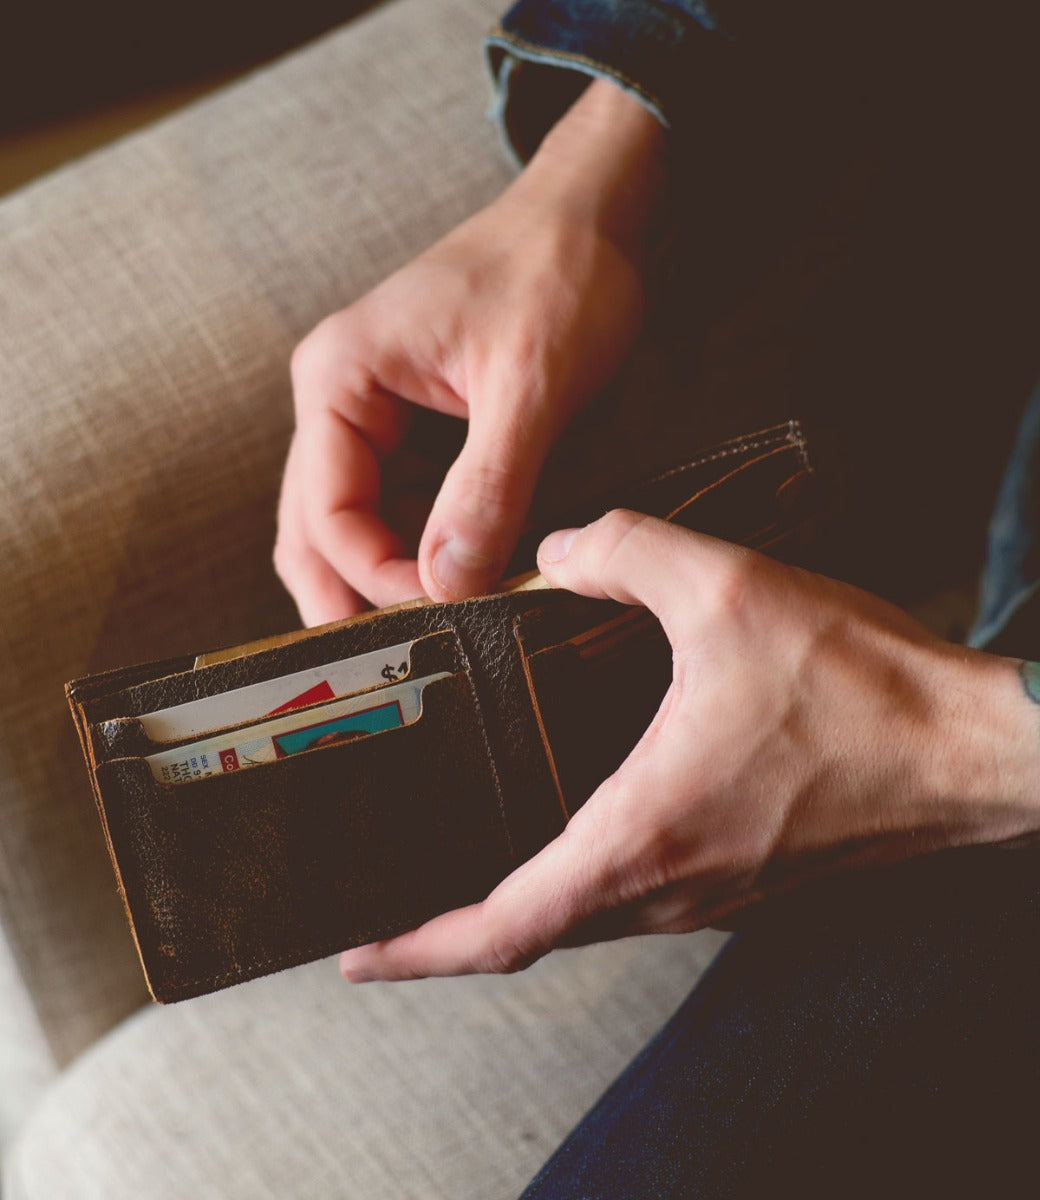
column 150, row 297
column 301, row 1086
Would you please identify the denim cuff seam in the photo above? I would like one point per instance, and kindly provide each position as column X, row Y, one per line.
column 530, row 52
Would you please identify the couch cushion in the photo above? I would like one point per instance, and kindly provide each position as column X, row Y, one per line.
column 150, row 297
column 302, row 1086
column 28, row 1065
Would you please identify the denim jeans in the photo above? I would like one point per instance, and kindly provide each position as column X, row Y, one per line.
column 878, row 1036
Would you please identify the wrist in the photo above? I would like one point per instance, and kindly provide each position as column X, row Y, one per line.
column 981, row 769
column 602, row 166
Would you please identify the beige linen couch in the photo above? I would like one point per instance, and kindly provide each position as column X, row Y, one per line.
column 150, row 297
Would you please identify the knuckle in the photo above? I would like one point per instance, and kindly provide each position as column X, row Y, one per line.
column 322, row 355
column 614, row 533
column 487, row 492
column 506, row 958
column 286, row 559
column 524, row 374
column 616, row 525
column 662, row 860
column 732, row 583
column 306, row 355
column 506, row 947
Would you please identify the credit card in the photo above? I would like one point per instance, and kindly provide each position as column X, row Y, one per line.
column 293, row 733
column 273, row 696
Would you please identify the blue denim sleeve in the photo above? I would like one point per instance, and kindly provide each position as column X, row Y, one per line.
column 1008, row 620
column 689, row 61
column 544, row 52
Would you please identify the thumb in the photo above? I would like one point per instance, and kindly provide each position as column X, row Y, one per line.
column 531, row 911
column 635, row 559
column 480, row 510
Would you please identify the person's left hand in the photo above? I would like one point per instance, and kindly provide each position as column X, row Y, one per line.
column 809, row 726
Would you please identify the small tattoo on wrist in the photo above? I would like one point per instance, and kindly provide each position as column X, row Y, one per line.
column 1030, row 673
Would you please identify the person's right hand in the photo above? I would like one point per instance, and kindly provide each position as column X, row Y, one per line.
column 512, row 321
column 809, row 728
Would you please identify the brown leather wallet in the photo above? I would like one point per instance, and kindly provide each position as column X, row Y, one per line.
column 543, row 695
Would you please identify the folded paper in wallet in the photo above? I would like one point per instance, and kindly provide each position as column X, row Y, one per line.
column 542, row 695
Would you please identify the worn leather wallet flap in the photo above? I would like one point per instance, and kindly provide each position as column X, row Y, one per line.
column 542, row 695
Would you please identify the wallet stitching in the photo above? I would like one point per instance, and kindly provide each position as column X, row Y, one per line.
column 792, row 436
column 737, row 473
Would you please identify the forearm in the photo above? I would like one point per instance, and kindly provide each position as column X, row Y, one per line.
column 602, row 167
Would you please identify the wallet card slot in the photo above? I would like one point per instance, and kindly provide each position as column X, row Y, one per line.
column 367, row 714
column 127, row 737
column 240, row 874
column 595, row 696
column 606, row 638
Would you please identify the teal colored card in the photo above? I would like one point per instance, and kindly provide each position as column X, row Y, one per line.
column 372, row 720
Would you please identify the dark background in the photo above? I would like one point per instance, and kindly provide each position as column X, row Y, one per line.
column 60, row 59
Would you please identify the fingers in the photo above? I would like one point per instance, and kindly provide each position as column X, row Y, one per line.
column 480, row 510
column 329, row 527
column 636, row 559
column 685, row 578
column 339, row 477
column 623, row 556
column 321, row 594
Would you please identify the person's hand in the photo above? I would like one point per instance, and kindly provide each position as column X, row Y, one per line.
column 809, row 727
column 512, row 321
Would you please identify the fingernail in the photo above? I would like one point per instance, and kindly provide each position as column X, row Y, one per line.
column 354, row 974
column 557, row 545
column 457, row 567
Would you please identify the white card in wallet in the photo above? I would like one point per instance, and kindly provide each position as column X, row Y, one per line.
column 389, row 664
column 293, row 733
